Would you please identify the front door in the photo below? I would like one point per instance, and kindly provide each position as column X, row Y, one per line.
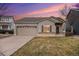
column 57, row 29
column 46, row 28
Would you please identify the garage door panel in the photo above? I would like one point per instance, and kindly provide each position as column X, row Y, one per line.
column 26, row 31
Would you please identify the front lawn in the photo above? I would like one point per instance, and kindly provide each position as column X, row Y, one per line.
column 49, row 46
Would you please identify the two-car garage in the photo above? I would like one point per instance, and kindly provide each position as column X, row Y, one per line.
column 26, row 30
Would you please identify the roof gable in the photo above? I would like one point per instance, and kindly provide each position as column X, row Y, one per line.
column 37, row 20
column 73, row 16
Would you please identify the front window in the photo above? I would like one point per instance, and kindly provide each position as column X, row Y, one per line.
column 5, row 27
column 46, row 28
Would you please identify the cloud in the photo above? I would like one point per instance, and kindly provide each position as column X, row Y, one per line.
column 50, row 11
column 46, row 10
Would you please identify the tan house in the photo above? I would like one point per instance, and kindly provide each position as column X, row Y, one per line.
column 37, row 25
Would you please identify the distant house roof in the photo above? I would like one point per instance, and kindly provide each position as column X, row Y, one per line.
column 5, row 16
column 73, row 16
column 36, row 20
column 73, row 13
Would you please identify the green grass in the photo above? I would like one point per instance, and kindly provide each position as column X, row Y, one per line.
column 50, row 46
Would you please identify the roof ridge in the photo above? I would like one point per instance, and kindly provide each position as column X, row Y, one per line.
column 37, row 19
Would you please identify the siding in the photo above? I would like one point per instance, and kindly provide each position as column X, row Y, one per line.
column 47, row 22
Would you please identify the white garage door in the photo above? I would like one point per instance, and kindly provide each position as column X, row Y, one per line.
column 26, row 30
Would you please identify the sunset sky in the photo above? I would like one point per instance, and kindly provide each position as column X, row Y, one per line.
column 20, row 10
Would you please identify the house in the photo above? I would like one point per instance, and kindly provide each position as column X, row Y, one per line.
column 7, row 24
column 36, row 25
column 72, row 23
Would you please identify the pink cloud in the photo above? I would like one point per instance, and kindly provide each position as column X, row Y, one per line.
column 46, row 10
column 50, row 11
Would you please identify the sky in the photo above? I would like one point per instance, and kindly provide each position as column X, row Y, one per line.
column 20, row 10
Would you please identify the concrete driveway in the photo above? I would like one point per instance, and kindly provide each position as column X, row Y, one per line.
column 10, row 44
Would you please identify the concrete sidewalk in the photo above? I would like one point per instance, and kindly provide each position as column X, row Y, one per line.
column 50, row 35
column 10, row 44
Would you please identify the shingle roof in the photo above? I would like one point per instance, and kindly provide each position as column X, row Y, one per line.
column 6, row 16
column 73, row 15
column 36, row 20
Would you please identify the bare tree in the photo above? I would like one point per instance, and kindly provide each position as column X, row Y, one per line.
column 64, row 11
column 3, row 8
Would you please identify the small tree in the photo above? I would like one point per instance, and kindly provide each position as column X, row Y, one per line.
column 64, row 11
column 77, row 5
column 3, row 8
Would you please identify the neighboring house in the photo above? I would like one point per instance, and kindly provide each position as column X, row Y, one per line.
column 7, row 24
column 36, row 25
column 72, row 23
